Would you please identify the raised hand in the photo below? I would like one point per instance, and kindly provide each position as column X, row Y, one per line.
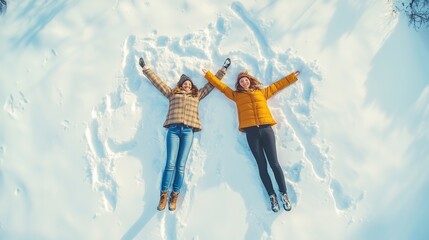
column 141, row 62
column 227, row 63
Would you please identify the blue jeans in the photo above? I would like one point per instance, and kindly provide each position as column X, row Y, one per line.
column 179, row 141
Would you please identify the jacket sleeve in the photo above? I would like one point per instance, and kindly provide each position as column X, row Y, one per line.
column 157, row 82
column 279, row 85
column 227, row 91
column 209, row 87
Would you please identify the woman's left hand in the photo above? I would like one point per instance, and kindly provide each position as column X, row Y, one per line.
column 204, row 70
column 297, row 73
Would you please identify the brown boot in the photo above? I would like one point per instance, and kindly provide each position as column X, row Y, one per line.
column 162, row 201
column 173, row 201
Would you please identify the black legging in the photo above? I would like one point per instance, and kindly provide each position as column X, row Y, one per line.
column 261, row 139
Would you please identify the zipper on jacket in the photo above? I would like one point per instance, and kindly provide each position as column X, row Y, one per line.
column 254, row 109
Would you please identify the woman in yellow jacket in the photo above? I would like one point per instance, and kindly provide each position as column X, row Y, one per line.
column 255, row 120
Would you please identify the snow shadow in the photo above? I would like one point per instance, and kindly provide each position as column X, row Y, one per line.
column 393, row 68
column 39, row 14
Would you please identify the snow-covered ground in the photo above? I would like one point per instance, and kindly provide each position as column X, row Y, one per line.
column 82, row 145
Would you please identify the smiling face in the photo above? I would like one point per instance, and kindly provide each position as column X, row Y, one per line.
column 187, row 85
column 244, row 83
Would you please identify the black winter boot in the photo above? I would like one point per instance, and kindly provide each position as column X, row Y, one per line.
column 274, row 203
column 286, row 203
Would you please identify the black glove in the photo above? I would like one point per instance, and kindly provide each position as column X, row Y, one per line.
column 227, row 63
column 141, row 62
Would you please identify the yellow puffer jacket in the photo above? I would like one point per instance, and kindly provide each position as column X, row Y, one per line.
column 252, row 106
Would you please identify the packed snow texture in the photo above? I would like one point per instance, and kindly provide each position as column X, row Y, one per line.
column 82, row 146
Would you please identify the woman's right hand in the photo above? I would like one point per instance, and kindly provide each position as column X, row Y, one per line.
column 204, row 70
column 141, row 62
column 297, row 73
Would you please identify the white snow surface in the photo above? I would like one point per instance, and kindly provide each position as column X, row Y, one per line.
column 82, row 146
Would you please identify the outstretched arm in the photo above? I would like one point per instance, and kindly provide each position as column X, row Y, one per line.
column 209, row 87
column 280, row 84
column 220, row 74
column 154, row 79
column 227, row 91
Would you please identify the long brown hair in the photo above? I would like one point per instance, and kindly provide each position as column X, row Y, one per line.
column 254, row 83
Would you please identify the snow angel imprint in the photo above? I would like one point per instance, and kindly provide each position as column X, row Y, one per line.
column 181, row 123
column 255, row 119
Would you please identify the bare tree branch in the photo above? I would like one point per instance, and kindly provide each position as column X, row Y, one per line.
column 417, row 11
column 3, row 6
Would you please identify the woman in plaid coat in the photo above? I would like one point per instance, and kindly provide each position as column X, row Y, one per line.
column 182, row 121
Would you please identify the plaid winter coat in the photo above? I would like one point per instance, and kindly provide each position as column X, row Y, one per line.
column 252, row 106
column 183, row 107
